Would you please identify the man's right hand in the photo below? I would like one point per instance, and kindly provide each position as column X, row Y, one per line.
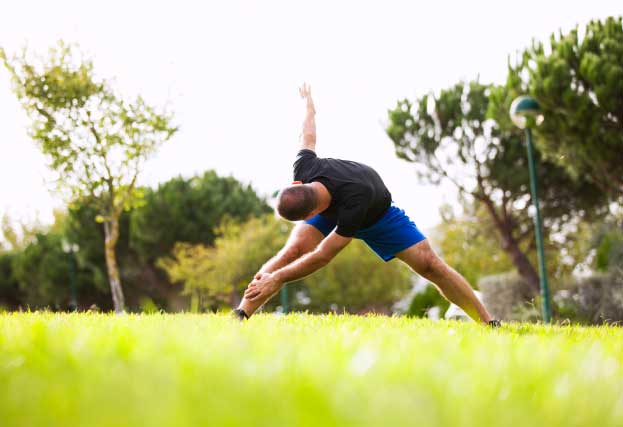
column 305, row 92
column 308, row 134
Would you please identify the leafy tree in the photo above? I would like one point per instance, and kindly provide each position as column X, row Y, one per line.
column 190, row 210
column 578, row 80
column 95, row 140
column 455, row 136
column 17, row 234
column 89, row 236
column 179, row 210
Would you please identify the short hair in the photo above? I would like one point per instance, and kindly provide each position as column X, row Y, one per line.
column 296, row 202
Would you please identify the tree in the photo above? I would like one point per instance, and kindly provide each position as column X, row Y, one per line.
column 455, row 136
column 95, row 140
column 578, row 80
column 190, row 210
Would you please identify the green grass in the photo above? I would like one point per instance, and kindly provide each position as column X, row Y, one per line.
column 208, row 370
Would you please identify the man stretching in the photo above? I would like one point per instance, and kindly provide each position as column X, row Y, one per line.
column 340, row 200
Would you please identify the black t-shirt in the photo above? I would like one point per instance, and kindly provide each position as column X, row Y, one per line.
column 359, row 197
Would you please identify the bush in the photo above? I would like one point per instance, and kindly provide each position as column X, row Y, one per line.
column 506, row 296
column 10, row 295
column 596, row 299
column 427, row 299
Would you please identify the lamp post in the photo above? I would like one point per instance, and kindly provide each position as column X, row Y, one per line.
column 526, row 113
column 71, row 249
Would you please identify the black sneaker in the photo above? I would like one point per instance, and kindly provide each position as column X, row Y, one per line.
column 240, row 314
column 495, row 323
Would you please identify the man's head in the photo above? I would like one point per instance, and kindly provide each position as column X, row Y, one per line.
column 296, row 202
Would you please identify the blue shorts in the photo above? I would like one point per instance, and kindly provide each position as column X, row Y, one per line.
column 393, row 233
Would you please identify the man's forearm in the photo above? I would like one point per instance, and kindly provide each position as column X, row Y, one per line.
column 309, row 131
column 309, row 124
column 284, row 257
column 302, row 267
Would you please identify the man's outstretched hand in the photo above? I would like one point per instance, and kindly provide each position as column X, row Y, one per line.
column 263, row 286
column 305, row 92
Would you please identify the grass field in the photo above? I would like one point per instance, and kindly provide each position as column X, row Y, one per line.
column 300, row 370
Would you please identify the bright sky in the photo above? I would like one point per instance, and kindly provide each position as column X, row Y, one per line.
column 231, row 69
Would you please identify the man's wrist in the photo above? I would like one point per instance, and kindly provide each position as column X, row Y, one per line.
column 277, row 277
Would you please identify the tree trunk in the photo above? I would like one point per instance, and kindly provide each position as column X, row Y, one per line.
column 111, row 229
column 511, row 247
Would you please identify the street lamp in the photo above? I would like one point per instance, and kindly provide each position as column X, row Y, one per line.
column 71, row 249
column 526, row 113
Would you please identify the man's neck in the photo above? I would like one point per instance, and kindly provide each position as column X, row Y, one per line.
column 323, row 196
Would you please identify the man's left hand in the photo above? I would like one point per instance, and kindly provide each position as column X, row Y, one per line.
column 263, row 286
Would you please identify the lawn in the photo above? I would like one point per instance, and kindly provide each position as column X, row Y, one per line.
column 301, row 370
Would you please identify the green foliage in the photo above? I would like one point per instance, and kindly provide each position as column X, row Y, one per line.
column 10, row 295
column 469, row 244
column 189, row 210
column 95, row 140
column 193, row 216
column 463, row 135
column 17, row 234
column 330, row 371
column 358, row 281
column 42, row 271
column 596, row 299
column 427, row 299
column 609, row 248
column 217, row 276
column 80, row 229
column 506, row 296
column 578, row 80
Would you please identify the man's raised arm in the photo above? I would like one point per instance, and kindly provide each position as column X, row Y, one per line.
column 308, row 136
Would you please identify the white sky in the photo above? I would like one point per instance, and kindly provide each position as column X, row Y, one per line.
column 231, row 69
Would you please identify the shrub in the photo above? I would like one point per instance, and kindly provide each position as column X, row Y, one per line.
column 505, row 295
column 595, row 299
column 425, row 300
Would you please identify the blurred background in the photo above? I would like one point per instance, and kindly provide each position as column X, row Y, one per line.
column 142, row 144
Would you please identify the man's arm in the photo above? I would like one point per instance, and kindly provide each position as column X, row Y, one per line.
column 303, row 239
column 269, row 284
column 308, row 135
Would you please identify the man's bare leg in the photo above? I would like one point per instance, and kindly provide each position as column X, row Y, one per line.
column 303, row 239
column 424, row 261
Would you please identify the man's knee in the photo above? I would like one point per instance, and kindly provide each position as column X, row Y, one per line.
column 432, row 265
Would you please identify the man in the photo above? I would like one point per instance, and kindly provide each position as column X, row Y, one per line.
column 340, row 200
